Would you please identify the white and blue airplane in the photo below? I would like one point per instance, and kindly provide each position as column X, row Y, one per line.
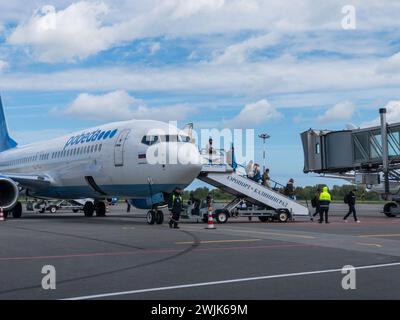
column 110, row 160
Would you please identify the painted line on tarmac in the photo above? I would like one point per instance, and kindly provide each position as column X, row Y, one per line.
column 379, row 235
column 152, row 251
column 219, row 241
column 370, row 244
column 290, row 235
column 213, row 283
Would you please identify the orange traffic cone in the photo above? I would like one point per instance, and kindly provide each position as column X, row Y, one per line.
column 210, row 220
column 1, row 214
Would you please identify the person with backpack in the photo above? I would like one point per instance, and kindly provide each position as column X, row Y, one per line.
column 289, row 189
column 350, row 200
column 324, row 202
column 315, row 203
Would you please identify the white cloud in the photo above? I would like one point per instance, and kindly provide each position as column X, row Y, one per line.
column 340, row 112
column 3, row 65
column 237, row 53
column 75, row 32
column 119, row 105
column 154, row 47
column 87, row 27
column 392, row 114
column 189, row 8
column 253, row 115
column 391, row 65
column 283, row 75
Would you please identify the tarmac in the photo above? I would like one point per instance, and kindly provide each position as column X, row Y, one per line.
column 122, row 257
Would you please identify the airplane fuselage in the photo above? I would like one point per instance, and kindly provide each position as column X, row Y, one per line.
column 104, row 161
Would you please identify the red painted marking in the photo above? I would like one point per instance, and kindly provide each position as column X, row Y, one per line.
column 126, row 253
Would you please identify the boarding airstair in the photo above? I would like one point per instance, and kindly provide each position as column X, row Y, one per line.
column 222, row 176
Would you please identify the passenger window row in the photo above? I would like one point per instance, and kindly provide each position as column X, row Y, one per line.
column 76, row 151
column 55, row 155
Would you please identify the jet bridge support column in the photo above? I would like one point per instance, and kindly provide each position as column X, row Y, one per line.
column 385, row 153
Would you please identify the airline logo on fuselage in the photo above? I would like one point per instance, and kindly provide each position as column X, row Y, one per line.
column 91, row 137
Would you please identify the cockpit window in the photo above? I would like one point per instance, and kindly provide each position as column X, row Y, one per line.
column 175, row 138
column 184, row 138
column 150, row 140
column 169, row 138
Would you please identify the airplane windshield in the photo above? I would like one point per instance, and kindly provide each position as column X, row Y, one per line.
column 150, row 140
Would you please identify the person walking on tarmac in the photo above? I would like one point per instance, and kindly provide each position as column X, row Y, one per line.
column 176, row 207
column 315, row 203
column 350, row 199
column 128, row 205
column 324, row 202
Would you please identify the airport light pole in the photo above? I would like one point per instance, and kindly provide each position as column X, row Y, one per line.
column 385, row 153
column 264, row 137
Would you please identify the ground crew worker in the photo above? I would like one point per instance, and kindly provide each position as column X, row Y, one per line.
column 176, row 208
column 351, row 202
column 324, row 202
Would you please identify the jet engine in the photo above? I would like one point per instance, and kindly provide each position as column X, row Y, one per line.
column 8, row 193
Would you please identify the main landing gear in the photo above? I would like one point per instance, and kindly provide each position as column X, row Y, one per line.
column 98, row 206
column 16, row 212
column 155, row 216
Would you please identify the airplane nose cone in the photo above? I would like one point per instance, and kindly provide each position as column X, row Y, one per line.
column 188, row 161
column 182, row 160
column 189, row 155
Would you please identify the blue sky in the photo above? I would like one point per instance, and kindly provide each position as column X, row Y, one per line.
column 66, row 65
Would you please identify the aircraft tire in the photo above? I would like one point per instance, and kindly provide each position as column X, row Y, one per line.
column 100, row 209
column 159, row 217
column 17, row 211
column 88, row 209
column 151, row 217
column 387, row 207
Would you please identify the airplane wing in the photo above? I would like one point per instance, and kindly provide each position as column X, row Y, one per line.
column 31, row 181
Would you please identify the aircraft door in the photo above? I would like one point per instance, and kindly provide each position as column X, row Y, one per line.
column 119, row 148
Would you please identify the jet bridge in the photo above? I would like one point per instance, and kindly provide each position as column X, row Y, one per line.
column 363, row 156
column 222, row 176
column 341, row 151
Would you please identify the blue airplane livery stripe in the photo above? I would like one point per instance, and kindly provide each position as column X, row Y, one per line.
column 87, row 137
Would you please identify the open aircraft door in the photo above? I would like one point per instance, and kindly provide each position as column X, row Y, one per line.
column 119, row 148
